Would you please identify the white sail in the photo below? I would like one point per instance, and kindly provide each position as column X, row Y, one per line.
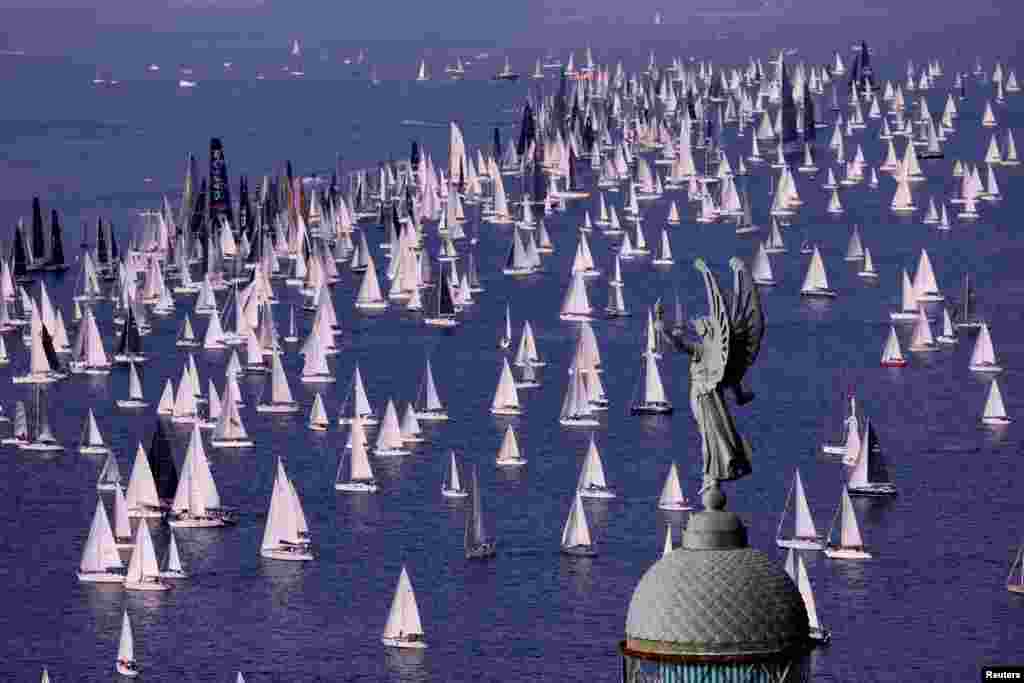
column 389, row 438
column 576, row 531
column 654, row 390
column 134, row 384
column 592, row 474
column 804, row 585
column 506, row 397
column 280, row 392
column 995, row 409
column 816, row 280
column 126, row 644
column 983, row 355
column 143, row 564
column 892, row 354
column 508, row 453
column 359, row 461
column 141, row 485
column 100, row 553
column 671, row 491
column 404, row 615
column 925, row 285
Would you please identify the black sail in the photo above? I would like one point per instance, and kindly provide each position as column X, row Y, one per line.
column 56, row 242
column 161, row 461
column 38, row 240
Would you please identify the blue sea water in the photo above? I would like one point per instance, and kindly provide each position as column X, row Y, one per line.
column 930, row 604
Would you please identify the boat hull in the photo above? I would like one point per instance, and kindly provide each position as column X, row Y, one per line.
column 403, row 643
column 872, row 490
column 290, row 555
column 986, row 367
column 821, row 293
column 506, row 411
column 800, row 543
column 173, row 575
column 1015, row 587
column 820, row 636
column 596, row 493
column 651, row 410
column 356, row 487
column 579, row 551
column 145, row 513
column 675, row 507
column 454, row 493
column 232, row 443
column 100, row 577
column 432, row 416
column 44, row 447
column 905, row 315
column 152, row 586
column 518, row 462
column 847, row 554
column 277, row 408
column 126, row 670
column 579, row 422
column 94, row 450
column 996, row 420
column 131, row 403
column 389, row 452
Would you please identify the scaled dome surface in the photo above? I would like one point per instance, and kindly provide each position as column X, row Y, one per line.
column 722, row 603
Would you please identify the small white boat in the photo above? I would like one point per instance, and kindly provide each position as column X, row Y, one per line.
column 983, row 356
column 428, row 402
column 867, row 270
column 173, row 568
column 892, row 355
column 356, row 475
column 850, row 544
column 948, row 335
column 651, row 397
column 870, row 476
column 816, row 281
column 404, row 628
column 509, row 454
column 506, row 398
column 126, row 665
column 135, row 398
column 92, row 442
column 909, row 309
column 280, row 399
column 672, row 497
column 110, row 475
column 805, row 534
column 101, row 562
column 922, row 339
column 143, row 571
column 318, row 420
column 452, row 486
column 1015, row 579
column 576, row 539
column 995, row 410
column 592, row 483
column 286, row 534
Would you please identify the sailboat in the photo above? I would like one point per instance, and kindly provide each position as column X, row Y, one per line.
column 476, row 543
column 651, row 398
column 101, row 562
column 995, row 410
column 909, row 308
column 318, row 420
column 109, row 478
column 143, row 571
column 577, row 411
column 356, row 403
column 672, row 497
column 983, row 356
column 506, row 339
column 281, row 400
column 922, row 339
column 965, row 314
column 948, row 335
column 664, row 255
column 576, row 539
column 421, row 73
column 892, row 355
column 816, row 281
column 129, row 347
column 285, row 536
column 869, row 476
column 868, row 271
column 41, row 437
column 92, row 440
column 762, row 268
column 443, row 314
column 230, row 432
column 506, row 398
column 187, row 336
column 173, row 568
column 817, row 632
column 452, row 486
column 126, row 665
column 592, row 483
column 805, row 534
column 404, row 628
column 850, row 545
column 196, row 498
column 293, row 334
column 389, row 438
column 358, row 476
column 926, row 288
column 508, row 453
column 428, row 404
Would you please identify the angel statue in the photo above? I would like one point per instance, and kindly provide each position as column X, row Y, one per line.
column 727, row 344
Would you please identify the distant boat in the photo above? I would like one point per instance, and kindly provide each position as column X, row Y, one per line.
column 892, row 355
column 285, row 535
column 506, row 339
column 672, row 497
column 816, row 281
column 909, row 309
column 509, row 454
column 41, row 437
column 506, row 73
column 964, row 313
column 477, row 544
column 126, row 665
column 173, row 568
column 995, row 410
column 110, row 475
column 651, row 398
column 805, row 535
column 577, row 410
column 101, row 562
column 184, row 83
column 592, row 483
column 357, row 477
column 91, row 441
column 983, row 356
column 404, row 628
column 818, row 633
column 452, row 486
column 143, row 571
column 506, row 398
column 576, row 539
column 849, row 545
column 421, row 73
column 869, row 476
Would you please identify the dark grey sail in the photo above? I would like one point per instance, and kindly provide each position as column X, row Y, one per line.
column 161, row 462
column 475, row 541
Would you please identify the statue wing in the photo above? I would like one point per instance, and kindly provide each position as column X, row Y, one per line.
column 715, row 356
column 746, row 322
